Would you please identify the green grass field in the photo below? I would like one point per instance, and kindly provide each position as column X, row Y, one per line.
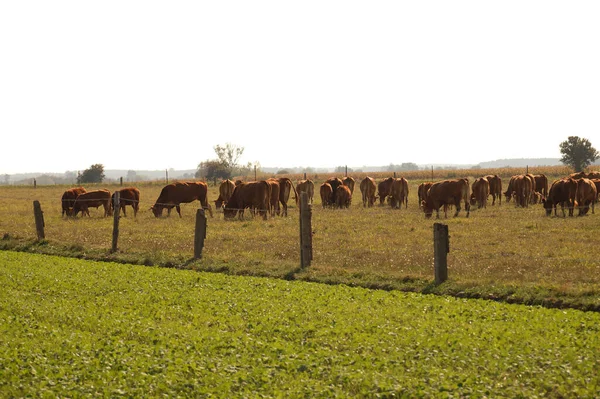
column 501, row 252
column 75, row 328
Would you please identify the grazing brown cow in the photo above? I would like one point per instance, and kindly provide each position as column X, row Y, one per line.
column 68, row 199
column 225, row 190
column 91, row 199
column 597, row 184
column 334, row 182
column 508, row 194
column 274, row 189
column 495, row 188
column 326, row 194
column 586, row 195
column 254, row 195
column 399, row 193
column 383, row 188
column 422, row 191
column 479, row 192
column 367, row 188
column 593, row 175
column 305, row 186
column 447, row 192
column 581, row 175
column 343, row 196
column 522, row 190
column 349, row 182
column 172, row 195
column 561, row 192
column 541, row 184
column 285, row 188
column 127, row 196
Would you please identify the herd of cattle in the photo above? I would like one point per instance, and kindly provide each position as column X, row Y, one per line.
column 271, row 196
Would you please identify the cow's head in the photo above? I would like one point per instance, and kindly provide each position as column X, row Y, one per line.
column 427, row 208
column 157, row 210
column 219, row 203
column 473, row 199
column 229, row 213
column 548, row 205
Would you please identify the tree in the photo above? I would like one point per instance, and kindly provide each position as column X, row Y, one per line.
column 95, row 174
column 131, row 175
column 229, row 154
column 578, row 153
column 213, row 169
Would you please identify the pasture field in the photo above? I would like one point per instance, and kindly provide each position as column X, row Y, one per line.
column 77, row 328
column 500, row 252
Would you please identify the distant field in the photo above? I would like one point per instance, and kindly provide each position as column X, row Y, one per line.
column 74, row 328
column 501, row 252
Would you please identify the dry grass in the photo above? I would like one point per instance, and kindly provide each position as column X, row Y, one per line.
column 500, row 246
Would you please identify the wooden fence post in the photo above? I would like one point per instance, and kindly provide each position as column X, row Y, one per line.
column 306, row 253
column 39, row 220
column 121, row 180
column 116, row 215
column 34, row 183
column 199, row 233
column 441, row 248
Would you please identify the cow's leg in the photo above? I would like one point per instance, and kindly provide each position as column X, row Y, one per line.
column 285, row 209
column 457, row 204
column 178, row 209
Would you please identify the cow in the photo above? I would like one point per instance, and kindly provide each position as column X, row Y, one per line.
column 225, row 190
column 399, row 193
column 586, row 195
column 305, row 186
column 274, row 189
column 447, row 192
column 383, row 188
column 254, row 195
column 334, row 182
column 172, row 195
column 541, row 184
column 561, row 192
column 593, row 175
column 326, row 192
column 91, row 199
column 343, row 196
column 367, row 188
column 285, row 188
column 522, row 190
column 422, row 191
column 495, row 188
column 597, row 184
column 68, row 198
column 479, row 192
column 349, row 182
column 127, row 196
column 581, row 175
column 508, row 194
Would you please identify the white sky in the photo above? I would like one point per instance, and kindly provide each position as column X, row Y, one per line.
column 156, row 85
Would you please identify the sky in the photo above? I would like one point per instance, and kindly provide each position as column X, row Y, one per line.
column 149, row 85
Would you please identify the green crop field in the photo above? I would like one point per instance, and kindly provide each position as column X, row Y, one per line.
column 500, row 252
column 76, row 328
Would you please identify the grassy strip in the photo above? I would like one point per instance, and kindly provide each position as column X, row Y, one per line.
column 75, row 328
column 549, row 297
